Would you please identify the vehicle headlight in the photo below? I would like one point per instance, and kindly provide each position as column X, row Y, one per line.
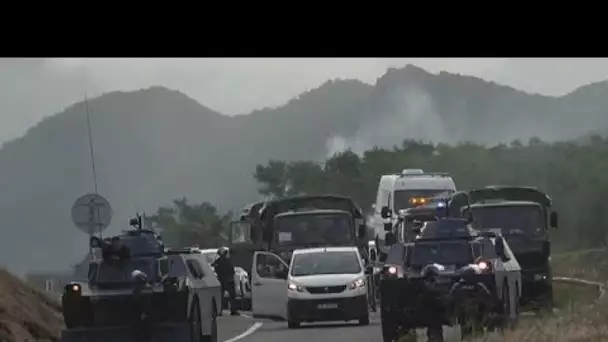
column 357, row 283
column 295, row 287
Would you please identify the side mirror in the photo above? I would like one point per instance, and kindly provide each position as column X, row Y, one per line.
column 390, row 239
column 500, row 250
column 163, row 266
column 470, row 217
column 362, row 232
column 385, row 212
column 553, row 220
column 369, row 270
column 254, row 233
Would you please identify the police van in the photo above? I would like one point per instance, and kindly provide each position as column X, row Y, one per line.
column 402, row 191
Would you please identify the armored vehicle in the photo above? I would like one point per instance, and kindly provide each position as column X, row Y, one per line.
column 523, row 214
column 139, row 291
column 422, row 281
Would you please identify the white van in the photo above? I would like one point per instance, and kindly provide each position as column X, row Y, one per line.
column 396, row 192
column 321, row 284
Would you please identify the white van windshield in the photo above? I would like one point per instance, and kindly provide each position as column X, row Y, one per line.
column 325, row 263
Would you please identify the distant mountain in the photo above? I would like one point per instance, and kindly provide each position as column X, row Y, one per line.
column 157, row 144
column 548, row 76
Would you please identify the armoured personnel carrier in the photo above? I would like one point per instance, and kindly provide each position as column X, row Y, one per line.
column 139, row 291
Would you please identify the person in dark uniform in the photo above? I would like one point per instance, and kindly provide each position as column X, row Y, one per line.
column 470, row 297
column 433, row 296
column 225, row 274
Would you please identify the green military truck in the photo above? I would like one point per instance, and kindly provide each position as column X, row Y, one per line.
column 524, row 216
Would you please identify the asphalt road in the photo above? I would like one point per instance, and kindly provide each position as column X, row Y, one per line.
column 272, row 331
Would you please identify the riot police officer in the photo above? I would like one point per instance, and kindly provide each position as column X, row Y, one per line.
column 225, row 274
column 470, row 297
column 434, row 298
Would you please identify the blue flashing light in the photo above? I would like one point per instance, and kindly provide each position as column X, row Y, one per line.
column 441, row 209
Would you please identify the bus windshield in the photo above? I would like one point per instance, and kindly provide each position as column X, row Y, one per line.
column 310, row 229
column 511, row 219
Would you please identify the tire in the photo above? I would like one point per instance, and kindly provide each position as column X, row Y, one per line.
column 196, row 332
column 506, row 306
column 219, row 309
column 246, row 304
column 293, row 324
column 364, row 320
column 515, row 321
column 213, row 336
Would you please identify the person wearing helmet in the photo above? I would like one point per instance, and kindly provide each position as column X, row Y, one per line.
column 225, row 274
column 469, row 296
column 434, row 297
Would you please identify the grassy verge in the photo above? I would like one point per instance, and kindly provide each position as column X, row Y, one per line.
column 574, row 322
column 569, row 295
column 591, row 264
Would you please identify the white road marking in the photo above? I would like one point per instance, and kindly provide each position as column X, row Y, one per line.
column 247, row 332
column 227, row 313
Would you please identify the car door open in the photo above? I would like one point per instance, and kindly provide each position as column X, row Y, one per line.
column 269, row 285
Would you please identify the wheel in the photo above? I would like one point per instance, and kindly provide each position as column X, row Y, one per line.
column 246, row 304
column 218, row 308
column 506, row 306
column 195, row 323
column 515, row 320
column 364, row 320
column 213, row 336
column 293, row 324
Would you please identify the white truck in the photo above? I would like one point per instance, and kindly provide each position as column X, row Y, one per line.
column 403, row 191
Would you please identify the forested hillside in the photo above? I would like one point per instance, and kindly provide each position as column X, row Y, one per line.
column 157, row 144
column 574, row 174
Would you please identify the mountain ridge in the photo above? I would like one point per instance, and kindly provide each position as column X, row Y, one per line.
column 156, row 144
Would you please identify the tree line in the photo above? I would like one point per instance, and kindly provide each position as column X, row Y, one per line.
column 573, row 173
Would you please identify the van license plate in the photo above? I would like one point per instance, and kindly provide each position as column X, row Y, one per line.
column 327, row 306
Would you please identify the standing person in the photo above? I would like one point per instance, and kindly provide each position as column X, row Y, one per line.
column 225, row 274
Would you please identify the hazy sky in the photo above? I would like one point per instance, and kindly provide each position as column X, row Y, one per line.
column 31, row 89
